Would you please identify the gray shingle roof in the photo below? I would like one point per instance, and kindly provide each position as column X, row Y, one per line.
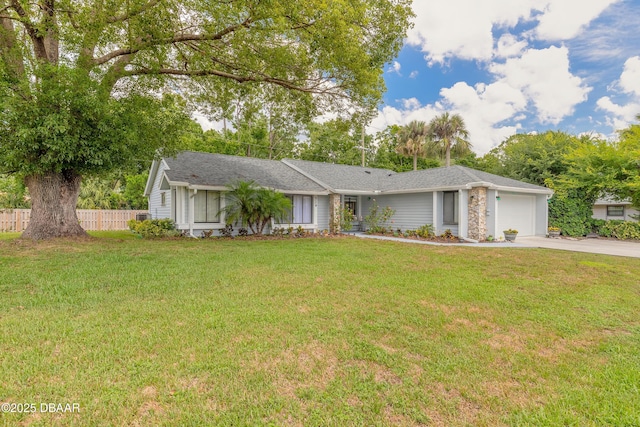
column 453, row 176
column 315, row 177
column 221, row 170
column 343, row 177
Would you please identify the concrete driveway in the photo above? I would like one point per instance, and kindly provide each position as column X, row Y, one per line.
column 595, row 246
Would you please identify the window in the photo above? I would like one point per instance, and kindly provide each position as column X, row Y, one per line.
column 351, row 203
column 207, row 206
column 615, row 210
column 301, row 209
column 450, row 207
column 163, row 199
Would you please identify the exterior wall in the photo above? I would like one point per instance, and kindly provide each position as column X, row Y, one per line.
column 322, row 203
column 463, row 213
column 156, row 209
column 491, row 214
column 477, row 213
column 600, row 212
column 412, row 210
column 542, row 215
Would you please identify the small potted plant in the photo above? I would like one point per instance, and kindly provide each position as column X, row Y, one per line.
column 554, row 231
column 510, row 235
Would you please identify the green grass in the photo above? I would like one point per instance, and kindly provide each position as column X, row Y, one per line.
column 317, row 332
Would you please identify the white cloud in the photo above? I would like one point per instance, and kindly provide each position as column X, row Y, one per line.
column 620, row 115
column 565, row 19
column 538, row 77
column 464, row 28
column 509, row 46
column 482, row 107
column 410, row 104
column 623, row 114
column 523, row 82
column 543, row 76
column 413, row 74
column 630, row 77
column 395, row 68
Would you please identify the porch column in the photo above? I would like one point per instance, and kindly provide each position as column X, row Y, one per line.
column 334, row 213
column 478, row 213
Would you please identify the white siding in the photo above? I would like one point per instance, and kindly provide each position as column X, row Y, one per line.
column 542, row 215
column 492, row 225
column 156, row 208
column 411, row 210
column 323, row 212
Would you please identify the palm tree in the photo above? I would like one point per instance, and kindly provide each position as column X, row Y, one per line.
column 253, row 206
column 412, row 138
column 449, row 133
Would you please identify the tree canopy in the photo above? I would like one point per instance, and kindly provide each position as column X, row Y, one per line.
column 449, row 133
column 412, row 140
column 81, row 82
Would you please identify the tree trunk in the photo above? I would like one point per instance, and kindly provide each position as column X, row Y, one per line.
column 448, row 156
column 415, row 162
column 53, row 206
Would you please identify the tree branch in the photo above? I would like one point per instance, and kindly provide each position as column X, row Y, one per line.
column 126, row 16
column 39, row 47
column 180, row 38
column 318, row 86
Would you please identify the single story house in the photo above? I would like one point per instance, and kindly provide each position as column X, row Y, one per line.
column 190, row 189
column 608, row 208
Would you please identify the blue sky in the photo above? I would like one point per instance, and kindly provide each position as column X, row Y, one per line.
column 518, row 66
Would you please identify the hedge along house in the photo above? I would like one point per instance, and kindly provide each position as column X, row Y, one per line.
column 472, row 204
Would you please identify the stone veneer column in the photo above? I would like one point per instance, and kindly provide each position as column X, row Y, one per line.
column 334, row 213
column 478, row 213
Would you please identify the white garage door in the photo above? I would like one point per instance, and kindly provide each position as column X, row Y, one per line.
column 516, row 211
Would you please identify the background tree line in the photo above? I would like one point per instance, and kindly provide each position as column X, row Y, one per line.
column 579, row 168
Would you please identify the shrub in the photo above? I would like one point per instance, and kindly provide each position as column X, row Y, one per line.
column 571, row 213
column 153, row 228
column 300, row 232
column 622, row 230
column 346, row 219
column 425, row 231
column 377, row 217
column 448, row 234
column 227, row 231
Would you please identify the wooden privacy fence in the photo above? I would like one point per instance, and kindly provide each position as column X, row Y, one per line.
column 90, row 219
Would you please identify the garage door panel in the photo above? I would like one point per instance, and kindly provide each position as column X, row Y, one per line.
column 518, row 212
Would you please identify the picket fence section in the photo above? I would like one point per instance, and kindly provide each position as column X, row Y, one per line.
column 90, row 219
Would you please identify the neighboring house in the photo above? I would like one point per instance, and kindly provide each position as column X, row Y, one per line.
column 607, row 208
column 190, row 190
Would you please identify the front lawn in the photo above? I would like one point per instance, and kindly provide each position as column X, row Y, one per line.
column 316, row 332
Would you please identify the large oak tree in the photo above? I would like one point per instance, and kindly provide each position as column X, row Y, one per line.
column 81, row 80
